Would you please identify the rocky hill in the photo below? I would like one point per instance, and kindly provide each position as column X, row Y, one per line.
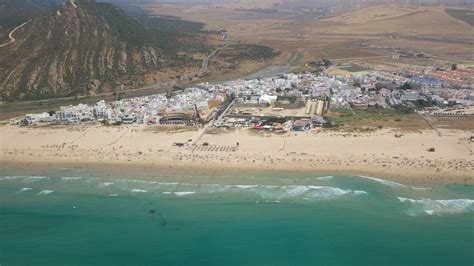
column 15, row 12
column 84, row 47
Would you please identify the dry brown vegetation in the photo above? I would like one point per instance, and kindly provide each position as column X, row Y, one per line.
column 409, row 123
column 169, row 129
column 405, row 123
column 339, row 36
column 462, row 123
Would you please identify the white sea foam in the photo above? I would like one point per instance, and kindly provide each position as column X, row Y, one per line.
column 216, row 188
column 306, row 192
column 421, row 188
column 24, row 189
column 184, row 193
column 10, row 177
column 171, row 183
column 246, row 186
column 430, row 212
column 270, row 192
column 31, row 179
column 69, row 178
column 327, row 193
column 325, row 178
column 113, row 195
column 294, row 191
column 438, row 207
column 266, row 192
column 107, row 183
column 135, row 181
column 45, row 192
column 26, row 179
column 136, row 190
column 382, row 181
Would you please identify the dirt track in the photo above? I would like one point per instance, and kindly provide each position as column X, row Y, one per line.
column 10, row 35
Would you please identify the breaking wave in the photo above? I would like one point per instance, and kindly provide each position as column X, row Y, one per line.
column 184, row 193
column 272, row 192
column 393, row 183
column 181, row 193
column 10, row 177
column 421, row 188
column 25, row 179
column 309, row 192
column 31, row 179
column 262, row 192
column 438, row 207
column 382, row 181
column 246, row 186
column 135, row 190
column 24, row 189
column 68, row 178
column 44, row 192
column 325, row 178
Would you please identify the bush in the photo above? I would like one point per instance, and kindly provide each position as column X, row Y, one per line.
column 406, row 86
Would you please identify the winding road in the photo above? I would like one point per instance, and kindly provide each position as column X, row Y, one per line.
column 205, row 62
column 10, row 35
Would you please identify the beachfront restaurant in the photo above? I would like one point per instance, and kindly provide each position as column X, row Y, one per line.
column 301, row 125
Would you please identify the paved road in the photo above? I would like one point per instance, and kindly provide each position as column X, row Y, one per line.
column 203, row 131
column 205, row 62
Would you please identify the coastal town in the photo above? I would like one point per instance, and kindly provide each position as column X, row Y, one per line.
column 418, row 119
column 236, row 132
column 286, row 102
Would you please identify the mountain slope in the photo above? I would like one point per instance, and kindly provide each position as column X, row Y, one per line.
column 15, row 12
column 82, row 48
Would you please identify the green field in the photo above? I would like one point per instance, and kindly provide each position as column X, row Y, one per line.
column 354, row 68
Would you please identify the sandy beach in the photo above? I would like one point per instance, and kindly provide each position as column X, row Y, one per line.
column 384, row 153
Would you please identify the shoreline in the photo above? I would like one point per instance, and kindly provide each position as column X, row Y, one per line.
column 182, row 173
column 137, row 151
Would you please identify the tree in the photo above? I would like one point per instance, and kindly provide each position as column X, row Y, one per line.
column 406, row 86
column 454, row 67
column 327, row 62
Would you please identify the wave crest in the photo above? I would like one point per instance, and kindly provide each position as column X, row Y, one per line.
column 44, row 192
column 325, row 178
column 384, row 182
column 24, row 189
column 438, row 207
column 136, row 190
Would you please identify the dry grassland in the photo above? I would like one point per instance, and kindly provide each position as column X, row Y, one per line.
column 428, row 29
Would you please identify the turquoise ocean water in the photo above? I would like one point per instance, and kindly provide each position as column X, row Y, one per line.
column 69, row 218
